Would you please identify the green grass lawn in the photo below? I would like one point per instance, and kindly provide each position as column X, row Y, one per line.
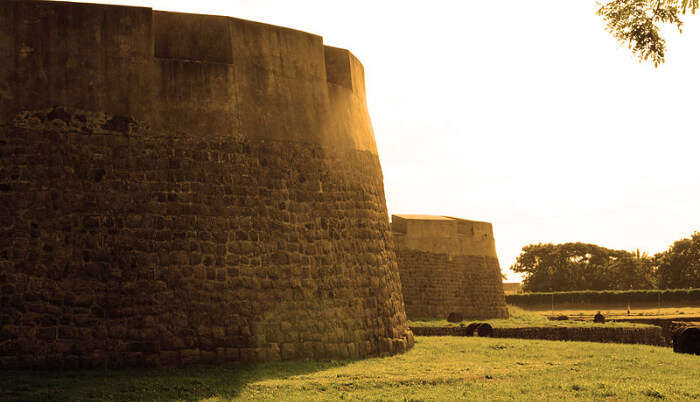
column 438, row 368
column 524, row 318
column 621, row 311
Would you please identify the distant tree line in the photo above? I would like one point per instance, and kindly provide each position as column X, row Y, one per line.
column 580, row 266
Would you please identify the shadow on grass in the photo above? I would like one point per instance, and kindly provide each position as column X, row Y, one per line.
column 193, row 383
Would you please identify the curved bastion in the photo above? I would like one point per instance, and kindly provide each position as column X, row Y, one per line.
column 448, row 265
column 180, row 189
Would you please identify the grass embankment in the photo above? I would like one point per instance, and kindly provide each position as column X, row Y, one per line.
column 523, row 318
column 438, row 368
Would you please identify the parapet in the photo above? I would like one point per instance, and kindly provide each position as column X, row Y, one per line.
column 198, row 75
column 443, row 235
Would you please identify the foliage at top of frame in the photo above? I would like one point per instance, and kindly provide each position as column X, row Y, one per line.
column 636, row 22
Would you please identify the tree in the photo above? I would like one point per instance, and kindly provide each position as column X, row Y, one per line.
column 632, row 271
column 679, row 266
column 581, row 266
column 636, row 22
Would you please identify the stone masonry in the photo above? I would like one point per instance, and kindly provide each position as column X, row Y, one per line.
column 180, row 189
column 448, row 265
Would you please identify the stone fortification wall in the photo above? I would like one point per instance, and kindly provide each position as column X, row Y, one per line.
column 177, row 189
column 448, row 265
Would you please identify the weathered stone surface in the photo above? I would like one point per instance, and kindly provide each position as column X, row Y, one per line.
column 448, row 266
column 217, row 200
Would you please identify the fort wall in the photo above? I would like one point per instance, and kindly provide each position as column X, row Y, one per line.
column 179, row 189
column 448, row 265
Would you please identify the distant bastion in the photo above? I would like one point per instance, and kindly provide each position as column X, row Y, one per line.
column 179, row 189
column 448, row 265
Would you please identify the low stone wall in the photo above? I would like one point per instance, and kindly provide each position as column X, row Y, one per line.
column 646, row 336
column 667, row 325
column 660, row 322
column 440, row 331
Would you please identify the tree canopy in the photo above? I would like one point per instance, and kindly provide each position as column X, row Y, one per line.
column 580, row 266
column 637, row 22
column 679, row 266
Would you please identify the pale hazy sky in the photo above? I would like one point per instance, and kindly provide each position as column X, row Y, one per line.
column 524, row 114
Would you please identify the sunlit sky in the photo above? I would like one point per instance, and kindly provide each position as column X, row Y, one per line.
column 528, row 115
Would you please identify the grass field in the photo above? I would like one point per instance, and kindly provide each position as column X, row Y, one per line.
column 638, row 298
column 523, row 318
column 438, row 368
column 620, row 311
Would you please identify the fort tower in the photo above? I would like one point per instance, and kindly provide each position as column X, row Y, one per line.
column 179, row 188
column 448, row 265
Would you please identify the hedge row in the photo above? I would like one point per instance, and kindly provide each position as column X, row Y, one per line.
column 601, row 297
